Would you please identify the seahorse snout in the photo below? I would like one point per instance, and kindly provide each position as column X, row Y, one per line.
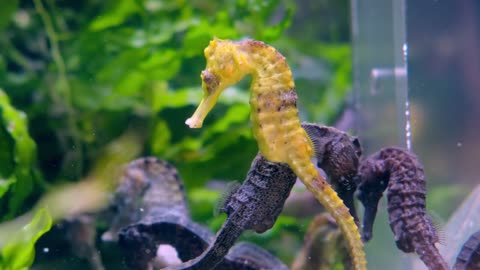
column 210, row 85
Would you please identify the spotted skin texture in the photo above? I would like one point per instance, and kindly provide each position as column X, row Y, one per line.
column 338, row 155
column 401, row 173
column 469, row 256
column 274, row 117
column 255, row 205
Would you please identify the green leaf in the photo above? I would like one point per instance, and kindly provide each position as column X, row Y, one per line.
column 119, row 12
column 19, row 251
column 196, row 39
column 162, row 65
column 236, row 114
column 161, row 137
column 130, row 84
column 7, row 163
column 274, row 32
column 198, row 36
column 115, row 68
column 162, row 97
column 5, row 185
column 24, row 152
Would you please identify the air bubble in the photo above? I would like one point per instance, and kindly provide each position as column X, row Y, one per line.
column 408, row 126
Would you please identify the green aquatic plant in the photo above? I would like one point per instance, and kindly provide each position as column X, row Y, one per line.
column 103, row 64
column 17, row 156
column 18, row 252
column 85, row 73
column 18, row 179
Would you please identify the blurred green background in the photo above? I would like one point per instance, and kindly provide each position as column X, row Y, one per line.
column 75, row 76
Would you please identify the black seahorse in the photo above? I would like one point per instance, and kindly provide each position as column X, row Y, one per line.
column 337, row 154
column 256, row 204
column 403, row 175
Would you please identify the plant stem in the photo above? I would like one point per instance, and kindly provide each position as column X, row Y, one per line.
column 63, row 87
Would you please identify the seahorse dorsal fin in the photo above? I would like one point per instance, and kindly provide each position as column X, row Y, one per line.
column 438, row 225
column 314, row 133
column 220, row 205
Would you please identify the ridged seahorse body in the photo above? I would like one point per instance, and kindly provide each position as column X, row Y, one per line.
column 402, row 173
column 274, row 117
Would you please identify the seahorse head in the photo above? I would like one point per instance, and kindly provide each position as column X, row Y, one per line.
column 226, row 65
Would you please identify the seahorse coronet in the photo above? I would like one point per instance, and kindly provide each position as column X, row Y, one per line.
column 274, row 117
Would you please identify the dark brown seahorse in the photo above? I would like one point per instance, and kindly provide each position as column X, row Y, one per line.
column 255, row 205
column 403, row 175
column 469, row 256
column 151, row 209
column 337, row 154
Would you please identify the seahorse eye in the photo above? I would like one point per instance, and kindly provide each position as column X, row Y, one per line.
column 210, row 81
column 207, row 76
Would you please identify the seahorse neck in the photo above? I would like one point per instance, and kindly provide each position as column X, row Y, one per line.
column 267, row 66
column 271, row 76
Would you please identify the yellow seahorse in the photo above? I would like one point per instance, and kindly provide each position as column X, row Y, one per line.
column 274, row 116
